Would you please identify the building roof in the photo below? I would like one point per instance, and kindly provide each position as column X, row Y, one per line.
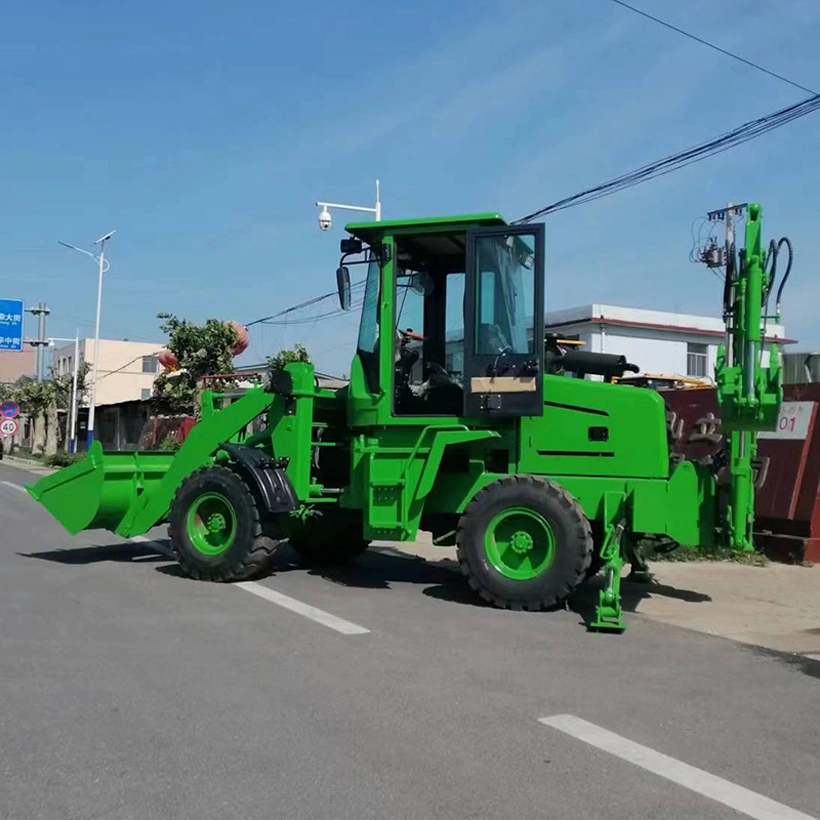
column 134, row 344
column 648, row 319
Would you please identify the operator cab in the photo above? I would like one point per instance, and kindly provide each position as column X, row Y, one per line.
column 463, row 298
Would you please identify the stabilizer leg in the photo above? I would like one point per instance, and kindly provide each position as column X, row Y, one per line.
column 608, row 614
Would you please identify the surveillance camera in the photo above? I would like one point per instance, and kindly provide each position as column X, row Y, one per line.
column 325, row 220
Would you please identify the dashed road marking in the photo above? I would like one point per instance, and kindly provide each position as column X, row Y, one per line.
column 301, row 608
column 716, row 788
column 156, row 545
column 18, row 487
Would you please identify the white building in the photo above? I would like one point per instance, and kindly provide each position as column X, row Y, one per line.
column 125, row 372
column 669, row 344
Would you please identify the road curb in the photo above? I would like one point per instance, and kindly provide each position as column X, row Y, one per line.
column 27, row 466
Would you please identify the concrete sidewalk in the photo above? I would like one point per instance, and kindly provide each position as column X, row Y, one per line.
column 776, row 606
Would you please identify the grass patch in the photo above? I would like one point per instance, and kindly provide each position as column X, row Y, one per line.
column 26, row 454
column 653, row 550
column 62, row 459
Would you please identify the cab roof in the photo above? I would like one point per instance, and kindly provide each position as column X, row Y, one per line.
column 370, row 231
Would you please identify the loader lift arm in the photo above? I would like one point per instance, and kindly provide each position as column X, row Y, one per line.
column 129, row 493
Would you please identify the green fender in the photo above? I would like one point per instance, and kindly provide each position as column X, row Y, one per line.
column 441, row 440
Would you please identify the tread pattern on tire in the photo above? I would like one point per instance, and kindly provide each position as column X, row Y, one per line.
column 240, row 565
column 578, row 521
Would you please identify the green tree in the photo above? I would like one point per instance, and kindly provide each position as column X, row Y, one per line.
column 42, row 401
column 201, row 350
column 36, row 400
column 297, row 354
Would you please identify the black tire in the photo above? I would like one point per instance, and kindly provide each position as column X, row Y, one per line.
column 571, row 552
column 596, row 562
column 250, row 552
column 325, row 540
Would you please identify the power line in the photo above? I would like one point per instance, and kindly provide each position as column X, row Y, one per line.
column 737, row 136
column 128, row 364
column 307, row 303
column 310, row 319
column 713, row 46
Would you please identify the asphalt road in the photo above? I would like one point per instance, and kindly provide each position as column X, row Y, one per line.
column 128, row 691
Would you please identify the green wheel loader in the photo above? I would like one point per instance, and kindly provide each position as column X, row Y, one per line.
column 457, row 420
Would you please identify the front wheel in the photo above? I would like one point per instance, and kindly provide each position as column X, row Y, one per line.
column 215, row 528
column 524, row 543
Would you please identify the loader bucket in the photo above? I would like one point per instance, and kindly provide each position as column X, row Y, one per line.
column 97, row 492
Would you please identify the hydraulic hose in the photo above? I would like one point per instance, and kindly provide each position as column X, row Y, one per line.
column 770, row 269
column 771, row 266
column 788, row 243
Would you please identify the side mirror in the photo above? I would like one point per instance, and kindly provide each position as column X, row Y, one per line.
column 343, row 287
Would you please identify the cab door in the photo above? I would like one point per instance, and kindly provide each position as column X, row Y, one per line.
column 504, row 321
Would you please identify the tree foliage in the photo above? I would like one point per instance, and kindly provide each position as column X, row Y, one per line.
column 41, row 401
column 61, row 386
column 35, row 397
column 297, row 354
column 201, row 350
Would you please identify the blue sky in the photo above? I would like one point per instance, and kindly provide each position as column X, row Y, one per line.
column 204, row 132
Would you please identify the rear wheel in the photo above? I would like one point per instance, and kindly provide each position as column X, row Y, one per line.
column 327, row 539
column 524, row 543
column 215, row 528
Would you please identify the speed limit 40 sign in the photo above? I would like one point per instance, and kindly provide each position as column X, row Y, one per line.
column 8, row 427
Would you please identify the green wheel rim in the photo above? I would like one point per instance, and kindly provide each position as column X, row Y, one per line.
column 211, row 524
column 519, row 543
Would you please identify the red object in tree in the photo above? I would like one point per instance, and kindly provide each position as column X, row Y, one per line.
column 168, row 359
column 242, row 337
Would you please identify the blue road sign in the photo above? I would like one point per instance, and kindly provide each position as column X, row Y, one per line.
column 9, row 409
column 11, row 324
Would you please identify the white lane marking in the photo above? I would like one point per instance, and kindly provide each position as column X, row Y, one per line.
column 318, row 615
column 736, row 797
column 14, row 486
column 159, row 547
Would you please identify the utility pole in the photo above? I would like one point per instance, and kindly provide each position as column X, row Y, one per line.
column 73, row 408
column 41, row 311
column 102, row 267
column 729, row 259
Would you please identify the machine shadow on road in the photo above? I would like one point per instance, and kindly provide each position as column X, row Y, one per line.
column 373, row 570
column 376, row 569
column 443, row 581
column 95, row 554
column 583, row 600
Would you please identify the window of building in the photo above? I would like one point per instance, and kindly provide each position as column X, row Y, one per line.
column 145, row 394
column 697, row 356
column 150, row 364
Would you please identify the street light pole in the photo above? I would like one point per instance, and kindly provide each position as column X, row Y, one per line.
column 72, row 442
column 102, row 267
